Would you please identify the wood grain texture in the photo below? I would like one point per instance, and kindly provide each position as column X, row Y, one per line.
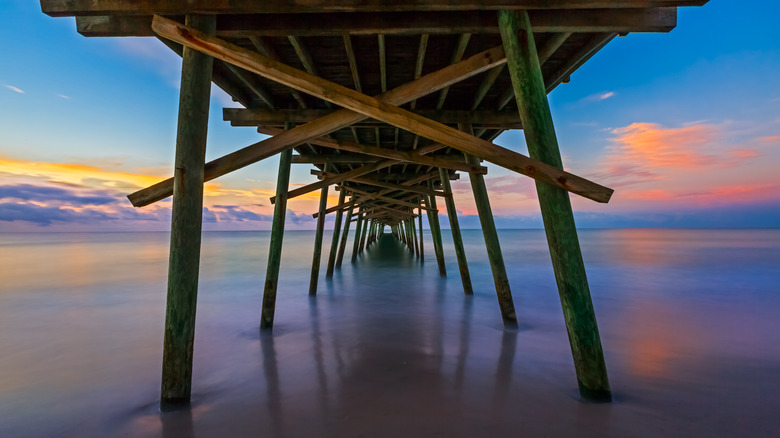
column 186, row 222
column 556, row 209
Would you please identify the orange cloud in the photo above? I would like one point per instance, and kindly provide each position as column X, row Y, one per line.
column 716, row 195
column 770, row 139
column 656, row 146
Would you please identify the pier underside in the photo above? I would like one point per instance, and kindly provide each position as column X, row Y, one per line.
column 386, row 101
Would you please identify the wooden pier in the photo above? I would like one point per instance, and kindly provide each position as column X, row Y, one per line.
column 387, row 101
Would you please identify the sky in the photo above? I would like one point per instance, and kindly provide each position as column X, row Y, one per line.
column 685, row 126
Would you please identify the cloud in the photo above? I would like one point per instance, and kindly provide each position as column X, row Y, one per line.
column 45, row 216
column 62, row 96
column 597, row 97
column 12, row 88
column 234, row 213
column 644, row 152
column 770, row 139
column 28, row 192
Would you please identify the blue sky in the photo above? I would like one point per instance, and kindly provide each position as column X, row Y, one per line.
column 684, row 125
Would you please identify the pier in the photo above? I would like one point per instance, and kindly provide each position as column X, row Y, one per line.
column 387, row 102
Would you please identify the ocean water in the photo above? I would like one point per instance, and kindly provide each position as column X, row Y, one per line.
column 689, row 320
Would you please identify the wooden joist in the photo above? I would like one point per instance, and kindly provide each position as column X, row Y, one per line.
column 278, row 117
column 408, row 182
column 233, row 25
column 380, row 110
column 300, row 134
column 375, row 151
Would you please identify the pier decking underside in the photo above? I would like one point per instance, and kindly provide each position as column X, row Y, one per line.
column 377, row 46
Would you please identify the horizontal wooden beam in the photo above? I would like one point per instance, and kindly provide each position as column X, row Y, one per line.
column 380, row 110
column 337, row 24
column 410, row 182
column 387, row 185
column 276, row 118
column 269, row 147
column 337, row 178
column 410, row 157
column 334, row 159
column 60, row 8
column 380, row 197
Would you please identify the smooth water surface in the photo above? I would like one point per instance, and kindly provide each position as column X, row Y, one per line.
column 688, row 319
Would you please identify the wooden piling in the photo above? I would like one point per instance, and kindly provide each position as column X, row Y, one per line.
column 419, row 224
column 457, row 239
column 356, row 244
column 366, row 226
column 315, row 263
column 334, row 243
column 275, row 246
column 413, row 229
column 433, row 222
column 186, row 222
column 490, row 233
column 529, row 90
column 345, row 234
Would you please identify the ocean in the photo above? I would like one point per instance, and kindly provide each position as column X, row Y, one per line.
column 689, row 320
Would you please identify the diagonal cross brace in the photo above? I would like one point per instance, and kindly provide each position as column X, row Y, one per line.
column 378, row 109
column 269, row 147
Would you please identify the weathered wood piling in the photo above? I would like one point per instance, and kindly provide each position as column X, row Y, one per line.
column 186, row 221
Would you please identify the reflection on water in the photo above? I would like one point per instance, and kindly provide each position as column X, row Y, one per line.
column 388, row 348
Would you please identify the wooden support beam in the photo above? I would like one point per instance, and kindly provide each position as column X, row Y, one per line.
column 221, row 75
column 300, row 134
column 433, row 222
column 460, row 49
column 457, row 238
column 345, row 234
column 414, row 236
column 266, row 49
column 418, row 66
column 661, row 19
column 247, row 79
column 352, row 62
column 383, row 198
column 401, row 187
column 382, row 62
column 552, row 45
column 315, row 264
column 381, row 110
column 275, row 245
column 556, row 209
column 490, row 233
column 186, row 223
column 334, row 243
column 333, row 159
column 276, row 118
column 410, row 182
column 337, row 178
column 574, row 62
column 420, row 226
column 486, row 85
column 376, row 151
column 366, row 226
column 64, row 8
column 358, row 230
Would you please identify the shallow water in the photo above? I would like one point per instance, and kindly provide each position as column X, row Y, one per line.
column 688, row 319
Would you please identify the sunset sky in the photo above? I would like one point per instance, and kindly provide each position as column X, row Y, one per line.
column 685, row 126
